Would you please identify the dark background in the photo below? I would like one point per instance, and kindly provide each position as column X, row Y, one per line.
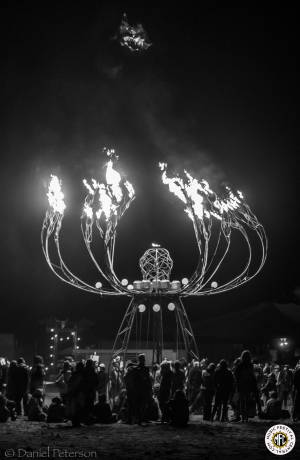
column 216, row 92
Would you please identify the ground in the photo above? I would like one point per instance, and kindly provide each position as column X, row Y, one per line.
column 200, row 440
column 205, row 441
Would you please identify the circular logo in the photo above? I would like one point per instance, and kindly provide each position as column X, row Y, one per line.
column 280, row 439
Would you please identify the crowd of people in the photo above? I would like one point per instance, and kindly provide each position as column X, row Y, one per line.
column 134, row 393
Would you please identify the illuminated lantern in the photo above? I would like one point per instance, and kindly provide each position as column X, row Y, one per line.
column 156, row 307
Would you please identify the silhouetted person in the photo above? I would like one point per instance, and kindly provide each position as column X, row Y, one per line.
column 273, row 408
column 102, row 411
column 246, row 384
column 36, row 409
column 56, row 411
column 224, row 385
column 75, row 395
column 90, row 383
column 178, row 380
column 178, row 410
column 63, row 379
column 3, row 374
column 102, row 380
column 208, row 390
column 130, row 379
column 11, row 389
column 21, row 386
column 296, row 383
column 143, row 388
column 164, row 392
column 37, row 374
column 194, row 381
column 7, row 409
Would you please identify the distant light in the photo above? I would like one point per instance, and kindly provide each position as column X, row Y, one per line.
column 98, row 285
column 283, row 342
column 51, row 330
column 46, row 368
column 73, row 333
column 184, row 281
column 142, row 308
column 129, row 287
column 124, row 282
column 155, row 245
column 51, row 364
column 55, row 335
column 61, row 339
column 78, row 338
column 51, row 356
column 52, row 338
column 156, row 307
column 77, row 348
column 68, row 338
column 214, row 284
column 171, row 306
column 51, row 346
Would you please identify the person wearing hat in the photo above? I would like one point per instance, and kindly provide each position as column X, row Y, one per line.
column 102, row 380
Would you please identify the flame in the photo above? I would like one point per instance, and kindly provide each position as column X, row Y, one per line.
column 87, row 209
column 113, row 179
column 111, row 193
column 202, row 201
column 55, row 195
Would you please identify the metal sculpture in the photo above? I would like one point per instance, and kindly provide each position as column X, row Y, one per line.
column 103, row 208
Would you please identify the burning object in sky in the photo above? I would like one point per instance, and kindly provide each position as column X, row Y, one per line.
column 134, row 38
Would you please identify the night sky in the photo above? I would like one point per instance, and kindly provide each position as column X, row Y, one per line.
column 216, row 93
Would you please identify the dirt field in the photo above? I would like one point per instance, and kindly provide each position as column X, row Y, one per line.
column 205, row 441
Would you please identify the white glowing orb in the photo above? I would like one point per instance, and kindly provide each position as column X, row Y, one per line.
column 142, row 308
column 214, row 284
column 98, row 285
column 129, row 287
column 77, row 348
column 51, row 364
column 184, row 281
column 51, row 330
column 55, row 195
column 171, row 306
column 124, row 282
column 156, row 307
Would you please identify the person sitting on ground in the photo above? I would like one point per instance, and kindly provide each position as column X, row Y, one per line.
column 102, row 411
column 7, row 409
column 178, row 409
column 273, row 409
column 35, row 409
column 57, row 411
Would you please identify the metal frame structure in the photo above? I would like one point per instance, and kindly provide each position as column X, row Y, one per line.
column 106, row 203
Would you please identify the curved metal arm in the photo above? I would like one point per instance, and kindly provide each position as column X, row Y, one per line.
column 51, row 228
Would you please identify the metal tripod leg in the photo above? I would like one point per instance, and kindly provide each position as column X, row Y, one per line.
column 189, row 341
